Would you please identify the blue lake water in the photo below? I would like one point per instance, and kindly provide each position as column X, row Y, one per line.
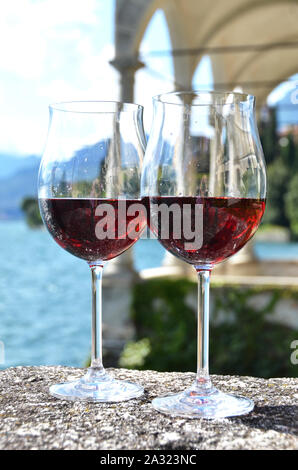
column 276, row 251
column 45, row 297
column 45, row 294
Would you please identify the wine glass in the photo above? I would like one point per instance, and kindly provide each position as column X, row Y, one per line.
column 89, row 198
column 204, row 182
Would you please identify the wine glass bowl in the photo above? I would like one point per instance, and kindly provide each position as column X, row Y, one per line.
column 204, row 184
column 89, row 198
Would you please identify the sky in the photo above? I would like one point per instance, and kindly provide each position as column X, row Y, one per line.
column 51, row 50
column 59, row 50
column 281, row 90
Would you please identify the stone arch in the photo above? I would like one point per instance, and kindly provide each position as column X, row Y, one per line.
column 290, row 72
column 261, row 55
column 233, row 17
column 133, row 16
column 274, row 72
column 132, row 19
column 131, row 24
column 183, row 65
column 241, row 10
column 254, row 66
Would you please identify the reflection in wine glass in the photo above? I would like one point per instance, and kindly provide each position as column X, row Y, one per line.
column 204, row 182
column 89, row 197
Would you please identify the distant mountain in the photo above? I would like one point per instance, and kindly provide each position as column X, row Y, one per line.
column 10, row 164
column 18, row 178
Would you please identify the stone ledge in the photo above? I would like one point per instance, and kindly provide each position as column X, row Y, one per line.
column 31, row 419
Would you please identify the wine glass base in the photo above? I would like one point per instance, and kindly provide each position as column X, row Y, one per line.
column 104, row 389
column 211, row 405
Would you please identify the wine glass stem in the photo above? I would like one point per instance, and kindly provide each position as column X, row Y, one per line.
column 203, row 379
column 96, row 326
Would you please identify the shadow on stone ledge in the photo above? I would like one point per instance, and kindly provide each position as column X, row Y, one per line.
column 32, row 419
column 282, row 418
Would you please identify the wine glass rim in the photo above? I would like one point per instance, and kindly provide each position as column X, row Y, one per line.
column 243, row 98
column 100, row 106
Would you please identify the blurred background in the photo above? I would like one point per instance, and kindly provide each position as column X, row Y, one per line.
column 131, row 50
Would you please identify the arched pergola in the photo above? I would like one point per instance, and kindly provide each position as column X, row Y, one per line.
column 202, row 25
column 197, row 24
column 206, row 24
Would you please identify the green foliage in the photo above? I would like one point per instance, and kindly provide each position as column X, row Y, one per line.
column 278, row 180
column 245, row 343
column 82, row 188
column 291, row 205
column 30, row 207
column 169, row 325
column 282, row 163
column 289, row 153
column 135, row 353
column 269, row 136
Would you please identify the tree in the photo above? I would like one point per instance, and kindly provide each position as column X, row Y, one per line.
column 269, row 136
column 289, row 153
column 30, row 207
column 278, row 178
column 291, row 205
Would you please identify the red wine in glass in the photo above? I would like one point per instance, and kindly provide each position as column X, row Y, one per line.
column 225, row 225
column 77, row 223
column 204, row 177
column 89, row 196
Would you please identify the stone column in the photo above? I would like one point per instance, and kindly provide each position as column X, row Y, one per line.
column 119, row 274
column 185, row 180
column 223, row 73
column 127, row 67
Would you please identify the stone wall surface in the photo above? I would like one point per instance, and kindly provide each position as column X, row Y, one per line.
column 32, row 419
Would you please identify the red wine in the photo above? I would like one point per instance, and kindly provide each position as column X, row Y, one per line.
column 219, row 226
column 93, row 229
